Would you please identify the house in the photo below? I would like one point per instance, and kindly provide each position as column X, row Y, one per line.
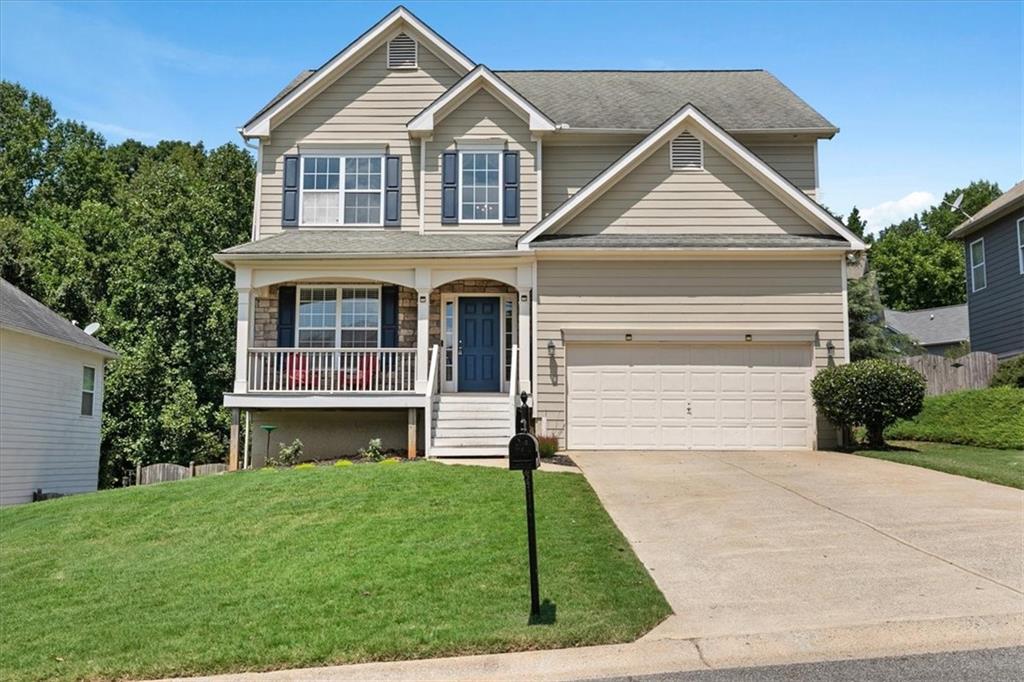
column 994, row 259
column 51, row 400
column 640, row 252
column 937, row 330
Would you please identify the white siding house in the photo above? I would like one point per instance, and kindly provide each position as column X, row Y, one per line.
column 51, row 400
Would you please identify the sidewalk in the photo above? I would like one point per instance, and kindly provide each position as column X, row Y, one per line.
column 655, row 653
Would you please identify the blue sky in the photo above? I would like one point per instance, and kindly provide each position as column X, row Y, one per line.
column 927, row 96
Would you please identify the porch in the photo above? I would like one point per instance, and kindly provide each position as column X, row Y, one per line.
column 350, row 338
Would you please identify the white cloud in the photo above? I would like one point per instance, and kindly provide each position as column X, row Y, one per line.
column 121, row 132
column 889, row 212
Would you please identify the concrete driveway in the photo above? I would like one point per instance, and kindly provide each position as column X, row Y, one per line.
column 772, row 542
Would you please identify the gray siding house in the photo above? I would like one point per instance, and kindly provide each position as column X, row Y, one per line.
column 934, row 329
column 994, row 258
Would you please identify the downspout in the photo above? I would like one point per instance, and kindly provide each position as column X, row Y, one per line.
column 254, row 232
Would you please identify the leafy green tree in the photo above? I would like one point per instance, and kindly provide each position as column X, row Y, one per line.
column 941, row 218
column 856, row 224
column 26, row 122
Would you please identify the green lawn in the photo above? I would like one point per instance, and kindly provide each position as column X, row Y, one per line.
column 988, row 418
column 275, row 569
column 1005, row 467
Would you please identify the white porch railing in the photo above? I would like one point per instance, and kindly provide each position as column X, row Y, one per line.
column 332, row 370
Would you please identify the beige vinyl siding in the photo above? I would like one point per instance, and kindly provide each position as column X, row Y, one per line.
column 795, row 162
column 567, row 168
column 681, row 295
column 367, row 104
column 481, row 116
column 654, row 199
column 45, row 442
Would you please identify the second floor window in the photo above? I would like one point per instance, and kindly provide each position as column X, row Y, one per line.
column 978, row 280
column 339, row 317
column 342, row 190
column 481, row 186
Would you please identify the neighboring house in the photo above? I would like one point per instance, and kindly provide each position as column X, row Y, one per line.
column 994, row 257
column 641, row 252
column 51, row 400
column 934, row 329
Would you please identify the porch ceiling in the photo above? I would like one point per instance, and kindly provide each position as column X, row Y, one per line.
column 352, row 244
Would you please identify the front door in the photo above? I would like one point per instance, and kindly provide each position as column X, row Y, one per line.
column 479, row 344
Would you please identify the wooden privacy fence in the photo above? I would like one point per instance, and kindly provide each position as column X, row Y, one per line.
column 165, row 471
column 944, row 375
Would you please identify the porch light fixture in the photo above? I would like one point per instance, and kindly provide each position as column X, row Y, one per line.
column 523, row 298
column 551, row 348
column 831, row 348
column 748, row 337
column 629, row 337
column 423, row 299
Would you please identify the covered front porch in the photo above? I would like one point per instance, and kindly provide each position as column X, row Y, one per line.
column 383, row 336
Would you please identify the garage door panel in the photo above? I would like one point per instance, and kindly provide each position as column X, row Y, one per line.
column 676, row 396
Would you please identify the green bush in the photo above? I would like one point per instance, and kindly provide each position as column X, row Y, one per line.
column 1010, row 373
column 548, row 445
column 305, row 465
column 287, row 455
column 343, row 463
column 374, row 450
column 868, row 393
column 988, row 418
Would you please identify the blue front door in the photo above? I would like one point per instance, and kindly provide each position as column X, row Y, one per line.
column 479, row 344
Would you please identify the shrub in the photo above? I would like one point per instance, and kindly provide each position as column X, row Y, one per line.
column 373, row 450
column 287, row 455
column 305, row 465
column 343, row 463
column 868, row 393
column 548, row 445
column 1010, row 373
column 988, row 418
column 390, row 461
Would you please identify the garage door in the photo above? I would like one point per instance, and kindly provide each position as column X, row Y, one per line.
column 689, row 396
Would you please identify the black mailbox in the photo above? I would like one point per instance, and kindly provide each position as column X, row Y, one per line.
column 523, row 452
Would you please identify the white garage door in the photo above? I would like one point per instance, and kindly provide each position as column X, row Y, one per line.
column 689, row 396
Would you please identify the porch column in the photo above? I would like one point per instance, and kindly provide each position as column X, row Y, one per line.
column 422, row 328
column 243, row 278
column 233, row 441
column 524, row 289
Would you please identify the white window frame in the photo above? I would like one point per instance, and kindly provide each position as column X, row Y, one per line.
column 499, row 151
column 91, row 392
column 341, row 189
column 452, row 386
column 1020, row 245
column 339, row 292
column 975, row 266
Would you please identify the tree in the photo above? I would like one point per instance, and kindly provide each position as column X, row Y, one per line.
column 26, row 121
column 856, row 224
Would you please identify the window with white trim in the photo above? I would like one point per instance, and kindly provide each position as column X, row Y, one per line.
column 338, row 317
column 978, row 278
column 480, row 187
column 342, row 190
column 88, row 390
column 686, row 153
column 1020, row 245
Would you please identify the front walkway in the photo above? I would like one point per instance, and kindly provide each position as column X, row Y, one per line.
column 775, row 558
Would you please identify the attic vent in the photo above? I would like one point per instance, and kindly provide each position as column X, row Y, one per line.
column 687, row 153
column 402, row 52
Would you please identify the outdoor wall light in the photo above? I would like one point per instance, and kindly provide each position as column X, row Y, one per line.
column 551, row 348
column 629, row 337
column 831, row 348
column 748, row 337
column 423, row 299
column 523, row 298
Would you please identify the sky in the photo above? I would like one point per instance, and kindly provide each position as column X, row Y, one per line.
column 927, row 96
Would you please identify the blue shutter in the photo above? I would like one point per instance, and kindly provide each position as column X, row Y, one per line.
column 286, row 317
column 510, row 199
column 392, row 190
column 290, row 195
column 389, row 316
column 449, row 188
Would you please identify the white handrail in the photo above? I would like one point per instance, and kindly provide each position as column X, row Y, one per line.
column 428, row 408
column 513, row 383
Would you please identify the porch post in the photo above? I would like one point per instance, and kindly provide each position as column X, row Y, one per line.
column 233, row 441
column 423, row 287
column 524, row 288
column 410, row 446
column 243, row 281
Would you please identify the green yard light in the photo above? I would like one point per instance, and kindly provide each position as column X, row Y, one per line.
column 269, row 428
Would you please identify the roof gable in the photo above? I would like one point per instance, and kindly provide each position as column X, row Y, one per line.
column 21, row 312
column 1005, row 203
column 400, row 20
column 479, row 78
column 691, row 118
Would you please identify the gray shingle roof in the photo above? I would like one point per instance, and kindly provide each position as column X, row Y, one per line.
column 20, row 311
column 688, row 241
column 1009, row 200
column 342, row 243
column 930, row 326
column 735, row 100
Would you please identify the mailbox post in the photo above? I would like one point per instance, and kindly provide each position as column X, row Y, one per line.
column 524, row 455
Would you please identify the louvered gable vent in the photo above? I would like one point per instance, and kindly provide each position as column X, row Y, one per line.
column 687, row 153
column 401, row 52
